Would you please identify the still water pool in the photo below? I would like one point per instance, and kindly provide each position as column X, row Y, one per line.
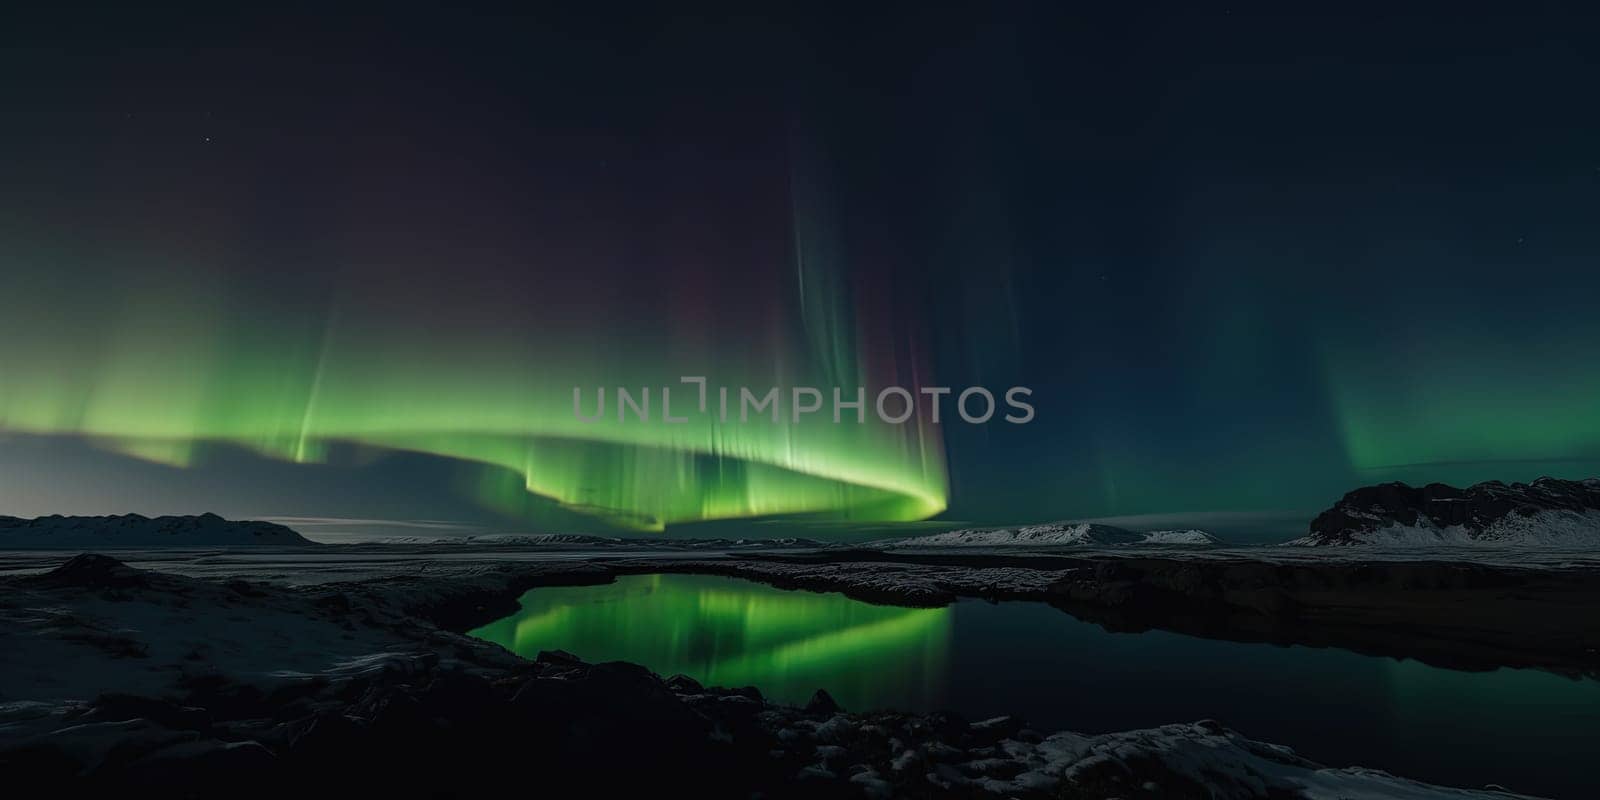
column 1528, row 730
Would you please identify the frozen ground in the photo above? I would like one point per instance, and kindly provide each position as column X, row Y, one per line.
column 333, row 562
column 1473, row 608
column 115, row 675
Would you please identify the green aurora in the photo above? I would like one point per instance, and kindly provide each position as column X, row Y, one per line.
column 1223, row 304
column 167, row 359
column 144, row 396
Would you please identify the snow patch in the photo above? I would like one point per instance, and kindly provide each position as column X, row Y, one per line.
column 1056, row 534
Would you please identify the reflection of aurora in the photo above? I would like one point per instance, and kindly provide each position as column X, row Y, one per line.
column 727, row 632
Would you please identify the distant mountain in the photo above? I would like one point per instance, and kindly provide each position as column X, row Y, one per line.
column 1548, row 511
column 1055, row 534
column 132, row 530
column 782, row 541
column 1188, row 536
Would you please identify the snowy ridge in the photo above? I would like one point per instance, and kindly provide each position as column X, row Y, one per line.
column 1188, row 536
column 1056, row 534
column 133, row 530
column 1542, row 529
column 1548, row 512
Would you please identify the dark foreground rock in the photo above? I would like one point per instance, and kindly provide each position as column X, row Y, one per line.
column 119, row 679
column 1548, row 511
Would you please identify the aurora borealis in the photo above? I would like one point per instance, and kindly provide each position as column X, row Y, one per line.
column 1245, row 263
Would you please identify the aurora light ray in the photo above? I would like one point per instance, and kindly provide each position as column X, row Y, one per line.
column 172, row 361
column 161, row 405
column 1223, row 305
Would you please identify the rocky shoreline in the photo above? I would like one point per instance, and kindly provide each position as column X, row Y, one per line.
column 1460, row 615
column 1467, row 615
column 119, row 676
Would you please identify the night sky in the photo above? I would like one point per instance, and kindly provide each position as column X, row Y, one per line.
column 353, row 267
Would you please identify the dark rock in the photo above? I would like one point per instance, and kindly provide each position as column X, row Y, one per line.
column 737, row 707
column 326, row 733
column 822, row 703
column 946, row 726
column 94, row 571
column 116, row 706
column 390, row 709
column 246, row 588
column 1475, row 508
column 201, row 763
column 840, row 729
column 990, row 731
column 559, row 657
column 814, row 775
column 628, row 671
column 224, row 697
column 683, row 684
column 459, row 697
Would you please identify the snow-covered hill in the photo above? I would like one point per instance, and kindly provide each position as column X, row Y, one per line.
column 1187, row 536
column 1055, row 534
column 1541, row 528
column 1547, row 512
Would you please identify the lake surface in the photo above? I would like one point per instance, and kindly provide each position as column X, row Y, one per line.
column 1527, row 730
